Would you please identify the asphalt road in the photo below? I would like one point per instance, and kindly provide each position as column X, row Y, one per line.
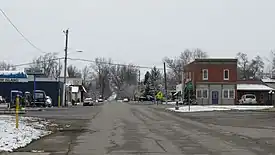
column 124, row 129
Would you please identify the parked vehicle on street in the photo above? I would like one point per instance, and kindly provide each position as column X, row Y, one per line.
column 88, row 102
column 100, row 99
column 39, row 98
column 27, row 99
column 49, row 101
column 13, row 95
column 2, row 100
column 248, row 99
column 126, row 99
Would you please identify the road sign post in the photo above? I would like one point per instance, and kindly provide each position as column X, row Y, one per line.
column 189, row 86
column 34, row 72
column 17, row 112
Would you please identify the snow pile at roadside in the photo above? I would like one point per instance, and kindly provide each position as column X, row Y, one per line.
column 170, row 103
column 29, row 129
column 198, row 108
column 112, row 97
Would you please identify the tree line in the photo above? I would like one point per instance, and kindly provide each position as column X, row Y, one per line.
column 102, row 76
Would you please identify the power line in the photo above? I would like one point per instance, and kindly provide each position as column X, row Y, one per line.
column 108, row 63
column 25, row 38
column 31, row 63
column 84, row 60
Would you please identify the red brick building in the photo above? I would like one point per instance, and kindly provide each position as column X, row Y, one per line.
column 214, row 80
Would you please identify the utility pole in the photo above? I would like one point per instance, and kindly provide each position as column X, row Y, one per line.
column 165, row 82
column 59, row 87
column 139, row 81
column 65, row 67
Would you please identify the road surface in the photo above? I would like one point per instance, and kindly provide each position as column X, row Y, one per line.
column 125, row 129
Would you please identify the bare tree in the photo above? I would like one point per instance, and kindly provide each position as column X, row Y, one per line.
column 50, row 63
column 256, row 67
column 102, row 69
column 6, row 66
column 249, row 69
column 177, row 64
column 243, row 65
column 86, row 76
column 123, row 78
column 73, row 72
column 117, row 74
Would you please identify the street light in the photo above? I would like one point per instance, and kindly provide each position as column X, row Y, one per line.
column 65, row 66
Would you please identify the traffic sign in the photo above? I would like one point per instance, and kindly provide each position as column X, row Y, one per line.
column 159, row 95
column 189, row 85
column 34, row 71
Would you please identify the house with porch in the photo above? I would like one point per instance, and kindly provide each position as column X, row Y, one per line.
column 213, row 80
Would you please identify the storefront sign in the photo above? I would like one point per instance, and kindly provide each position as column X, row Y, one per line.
column 34, row 71
column 8, row 80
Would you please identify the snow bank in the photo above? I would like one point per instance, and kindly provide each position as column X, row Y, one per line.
column 199, row 108
column 112, row 97
column 29, row 129
column 170, row 103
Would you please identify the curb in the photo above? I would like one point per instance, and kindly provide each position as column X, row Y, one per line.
column 11, row 112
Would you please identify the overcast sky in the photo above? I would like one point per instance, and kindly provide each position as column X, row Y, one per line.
column 137, row 31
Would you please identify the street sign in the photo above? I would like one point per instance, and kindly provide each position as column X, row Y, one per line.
column 34, row 71
column 159, row 95
column 189, row 85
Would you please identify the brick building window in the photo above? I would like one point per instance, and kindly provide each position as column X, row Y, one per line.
column 228, row 93
column 226, row 74
column 202, row 93
column 205, row 74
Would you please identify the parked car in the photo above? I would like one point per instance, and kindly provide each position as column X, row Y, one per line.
column 39, row 98
column 88, row 102
column 126, row 99
column 100, row 99
column 49, row 101
column 2, row 100
column 248, row 99
column 14, row 94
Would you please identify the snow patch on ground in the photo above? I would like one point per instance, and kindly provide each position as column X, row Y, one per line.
column 171, row 103
column 112, row 97
column 29, row 129
column 198, row 108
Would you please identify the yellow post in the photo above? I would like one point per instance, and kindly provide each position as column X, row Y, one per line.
column 17, row 111
column 58, row 100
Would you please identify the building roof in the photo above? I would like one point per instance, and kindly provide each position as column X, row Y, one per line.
column 216, row 60
column 252, row 81
column 253, row 87
column 268, row 80
column 13, row 74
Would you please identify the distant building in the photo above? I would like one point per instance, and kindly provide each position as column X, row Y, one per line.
column 214, row 80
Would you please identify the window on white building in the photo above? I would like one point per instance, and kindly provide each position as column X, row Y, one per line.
column 198, row 93
column 205, row 93
column 228, row 94
column 225, row 93
column 232, row 94
column 202, row 93
column 205, row 74
column 226, row 74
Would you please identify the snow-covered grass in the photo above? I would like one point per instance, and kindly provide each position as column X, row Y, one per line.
column 29, row 129
column 197, row 108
